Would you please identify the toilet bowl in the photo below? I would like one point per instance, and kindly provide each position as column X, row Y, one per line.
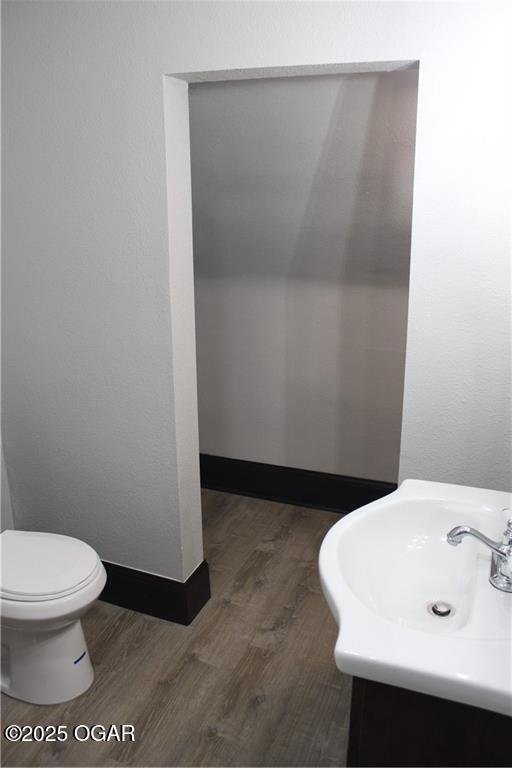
column 48, row 582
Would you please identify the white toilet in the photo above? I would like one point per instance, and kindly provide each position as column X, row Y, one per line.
column 48, row 582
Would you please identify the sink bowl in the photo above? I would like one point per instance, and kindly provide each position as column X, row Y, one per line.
column 383, row 566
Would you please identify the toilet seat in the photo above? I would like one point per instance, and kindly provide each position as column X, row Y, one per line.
column 40, row 567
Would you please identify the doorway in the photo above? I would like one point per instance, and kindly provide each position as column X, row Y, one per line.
column 302, row 194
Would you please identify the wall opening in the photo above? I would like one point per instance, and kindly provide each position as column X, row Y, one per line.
column 302, row 206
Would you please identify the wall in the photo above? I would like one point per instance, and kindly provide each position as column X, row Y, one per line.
column 7, row 519
column 89, row 430
column 302, row 200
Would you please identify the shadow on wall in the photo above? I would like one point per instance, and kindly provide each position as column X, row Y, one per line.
column 364, row 234
column 359, row 243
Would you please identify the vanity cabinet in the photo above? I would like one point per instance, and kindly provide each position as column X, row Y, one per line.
column 391, row 726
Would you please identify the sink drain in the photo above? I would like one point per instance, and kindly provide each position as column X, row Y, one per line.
column 440, row 609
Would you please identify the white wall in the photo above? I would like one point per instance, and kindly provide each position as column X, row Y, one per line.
column 89, row 429
column 7, row 519
column 302, row 201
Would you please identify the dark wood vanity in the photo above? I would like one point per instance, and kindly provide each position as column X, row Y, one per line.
column 391, row 726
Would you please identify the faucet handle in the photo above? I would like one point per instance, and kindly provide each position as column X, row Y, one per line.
column 507, row 535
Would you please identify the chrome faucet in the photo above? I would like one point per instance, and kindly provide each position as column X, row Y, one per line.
column 501, row 563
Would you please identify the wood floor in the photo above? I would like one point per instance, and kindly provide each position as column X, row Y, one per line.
column 251, row 682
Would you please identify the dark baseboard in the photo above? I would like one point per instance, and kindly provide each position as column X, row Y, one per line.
column 302, row 487
column 155, row 595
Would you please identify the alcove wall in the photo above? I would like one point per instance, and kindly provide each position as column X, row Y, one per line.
column 302, row 206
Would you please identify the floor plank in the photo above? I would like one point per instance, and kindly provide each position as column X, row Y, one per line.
column 252, row 682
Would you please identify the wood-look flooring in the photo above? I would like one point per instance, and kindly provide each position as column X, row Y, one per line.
column 251, row 682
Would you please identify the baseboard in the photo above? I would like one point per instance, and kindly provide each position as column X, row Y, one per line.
column 155, row 595
column 302, row 487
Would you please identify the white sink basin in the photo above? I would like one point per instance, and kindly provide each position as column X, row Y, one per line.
column 381, row 567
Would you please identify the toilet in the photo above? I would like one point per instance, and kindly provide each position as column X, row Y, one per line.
column 48, row 582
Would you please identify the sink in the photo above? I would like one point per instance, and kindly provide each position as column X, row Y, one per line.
column 385, row 564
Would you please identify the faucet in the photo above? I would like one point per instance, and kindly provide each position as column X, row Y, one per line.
column 501, row 563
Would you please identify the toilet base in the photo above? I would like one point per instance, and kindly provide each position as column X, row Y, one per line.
column 45, row 667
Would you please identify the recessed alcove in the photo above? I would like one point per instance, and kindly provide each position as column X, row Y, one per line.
column 302, row 199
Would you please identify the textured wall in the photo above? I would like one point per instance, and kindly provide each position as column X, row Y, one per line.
column 302, row 191
column 7, row 516
column 89, row 430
